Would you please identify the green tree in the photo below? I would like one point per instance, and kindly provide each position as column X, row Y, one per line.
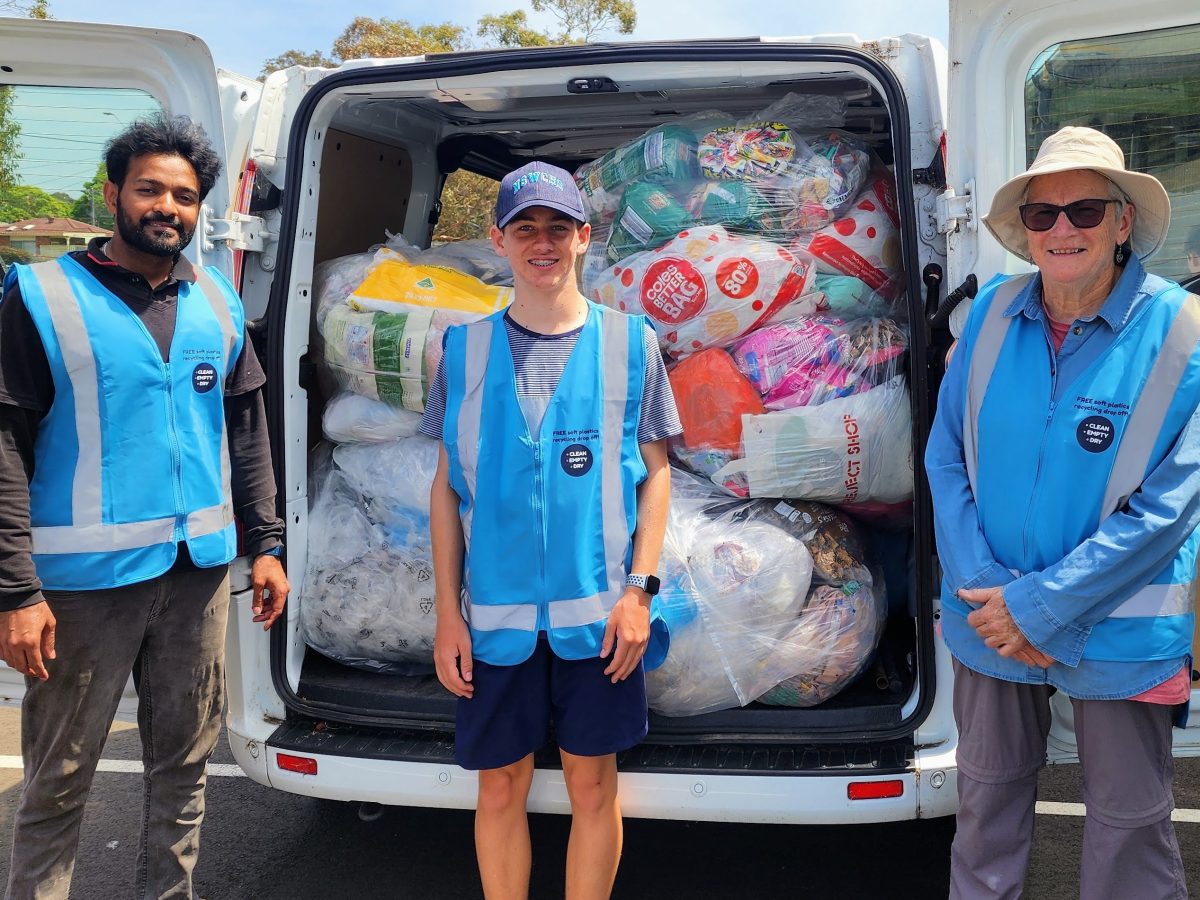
column 295, row 58
column 89, row 207
column 10, row 138
column 512, row 30
column 23, row 201
column 34, row 9
column 366, row 37
column 583, row 20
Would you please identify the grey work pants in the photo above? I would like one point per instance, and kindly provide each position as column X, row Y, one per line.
column 170, row 633
column 1129, row 846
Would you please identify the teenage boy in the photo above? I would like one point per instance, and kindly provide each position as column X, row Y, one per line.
column 547, row 516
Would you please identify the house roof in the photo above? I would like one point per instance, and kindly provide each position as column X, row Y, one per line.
column 45, row 226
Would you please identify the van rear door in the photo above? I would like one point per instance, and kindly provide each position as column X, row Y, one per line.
column 1020, row 71
column 71, row 86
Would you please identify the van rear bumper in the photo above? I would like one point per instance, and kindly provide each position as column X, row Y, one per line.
column 416, row 769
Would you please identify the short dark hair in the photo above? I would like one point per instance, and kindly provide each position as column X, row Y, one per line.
column 169, row 135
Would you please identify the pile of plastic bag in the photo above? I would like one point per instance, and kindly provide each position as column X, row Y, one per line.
column 380, row 315
column 771, row 241
column 764, row 600
column 369, row 591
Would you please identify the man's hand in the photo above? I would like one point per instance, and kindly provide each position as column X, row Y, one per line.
column 27, row 639
column 268, row 577
column 629, row 627
column 452, row 654
column 994, row 623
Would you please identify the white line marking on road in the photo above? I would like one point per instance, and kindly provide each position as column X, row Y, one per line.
column 133, row 767
column 1047, row 808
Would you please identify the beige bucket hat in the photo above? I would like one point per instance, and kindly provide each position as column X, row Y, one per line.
column 1083, row 148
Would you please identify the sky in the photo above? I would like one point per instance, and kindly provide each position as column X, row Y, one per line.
column 242, row 34
column 62, row 137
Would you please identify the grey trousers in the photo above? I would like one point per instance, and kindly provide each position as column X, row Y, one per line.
column 170, row 632
column 1129, row 846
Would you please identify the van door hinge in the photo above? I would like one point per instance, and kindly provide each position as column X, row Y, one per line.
column 239, row 231
column 952, row 208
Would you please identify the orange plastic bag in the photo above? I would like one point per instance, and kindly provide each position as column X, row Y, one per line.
column 712, row 395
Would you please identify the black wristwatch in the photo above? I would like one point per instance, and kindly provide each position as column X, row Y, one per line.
column 648, row 583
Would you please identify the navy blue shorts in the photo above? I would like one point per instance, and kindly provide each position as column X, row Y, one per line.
column 511, row 713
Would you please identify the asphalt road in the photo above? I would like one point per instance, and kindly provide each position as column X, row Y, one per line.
column 261, row 843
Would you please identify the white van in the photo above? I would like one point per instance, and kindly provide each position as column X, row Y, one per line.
column 341, row 155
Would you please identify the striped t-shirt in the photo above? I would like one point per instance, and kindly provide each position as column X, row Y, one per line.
column 539, row 361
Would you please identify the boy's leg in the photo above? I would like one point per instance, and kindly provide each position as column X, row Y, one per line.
column 496, row 734
column 594, row 848
column 502, row 830
column 594, row 720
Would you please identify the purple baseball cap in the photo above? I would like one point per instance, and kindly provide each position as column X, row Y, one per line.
column 538, row 184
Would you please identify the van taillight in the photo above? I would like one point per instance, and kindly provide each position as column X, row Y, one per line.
column 874, row 790
column 302, row 764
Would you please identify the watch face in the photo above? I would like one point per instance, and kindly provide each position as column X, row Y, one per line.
column 652, row 585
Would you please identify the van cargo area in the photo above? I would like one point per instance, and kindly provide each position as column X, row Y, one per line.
column 377, row 146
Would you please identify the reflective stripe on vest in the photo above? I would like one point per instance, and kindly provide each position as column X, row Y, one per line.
column 562, row 612
column 80, row 543
column 1134, row 452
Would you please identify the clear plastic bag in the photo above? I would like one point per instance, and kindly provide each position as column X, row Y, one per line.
column 705, row 288
column 733, row 573
column 864, row 241
column 830, row 644
column 352, row 418
column 368, row 594
column 730, row 591
column 848, row 450
column 811, row 359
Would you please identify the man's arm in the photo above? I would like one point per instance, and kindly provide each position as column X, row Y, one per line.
column 452, row 639
column 252, row 483
column 629, row 622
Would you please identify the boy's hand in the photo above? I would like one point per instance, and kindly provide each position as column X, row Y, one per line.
column 629, row 627
column 452, row 654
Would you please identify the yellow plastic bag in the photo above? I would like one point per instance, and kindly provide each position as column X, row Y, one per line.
column 394, row 280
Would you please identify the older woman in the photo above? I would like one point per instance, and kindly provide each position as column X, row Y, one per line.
column 1064, row 464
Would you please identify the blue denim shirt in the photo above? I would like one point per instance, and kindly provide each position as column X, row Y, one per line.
column 1054, row 608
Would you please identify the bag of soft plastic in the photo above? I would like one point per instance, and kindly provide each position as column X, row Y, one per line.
column 705, row 288
column 844, row 451
column 368, row 599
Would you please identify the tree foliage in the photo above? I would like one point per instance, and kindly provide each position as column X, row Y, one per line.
column 467, row 204
column 23, row 201
column 512, row 30
column 291, row 58
column 89, row 206
column 583, row 20
column 33, row 9
column 366, row 37
column 10, row 138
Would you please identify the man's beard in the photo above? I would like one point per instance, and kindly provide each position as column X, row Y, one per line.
column 138, row 236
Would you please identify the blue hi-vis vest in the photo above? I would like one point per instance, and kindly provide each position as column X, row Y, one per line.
column 547, row 520
column 132, row 456
column 1046, row 474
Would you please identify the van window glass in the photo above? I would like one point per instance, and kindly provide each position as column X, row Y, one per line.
column 468, row 204
column 52, row 165
column 1142, row 90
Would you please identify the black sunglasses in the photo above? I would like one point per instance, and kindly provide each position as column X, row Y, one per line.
column 1081, row 214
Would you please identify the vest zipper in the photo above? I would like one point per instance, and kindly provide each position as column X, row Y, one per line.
column 540, row 508
column 176, row 456
column 1037, row 475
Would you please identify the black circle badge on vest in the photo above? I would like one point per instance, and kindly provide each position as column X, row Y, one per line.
column 204, row 378
column 576, row 460
column 1095, row 434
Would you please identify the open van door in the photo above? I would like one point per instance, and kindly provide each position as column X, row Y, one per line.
column 1021, row 70
column 72, row 86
